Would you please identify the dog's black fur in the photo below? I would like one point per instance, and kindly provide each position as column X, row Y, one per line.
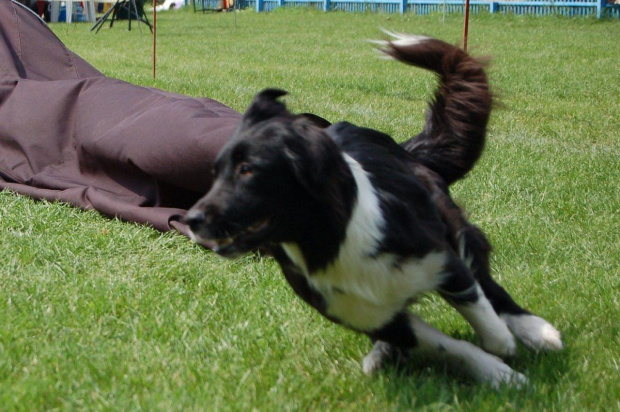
column 304, row 190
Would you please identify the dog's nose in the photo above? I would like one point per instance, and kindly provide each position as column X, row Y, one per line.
column 194, row 219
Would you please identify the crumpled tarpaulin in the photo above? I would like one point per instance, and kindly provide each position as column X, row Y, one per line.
column 71, row 134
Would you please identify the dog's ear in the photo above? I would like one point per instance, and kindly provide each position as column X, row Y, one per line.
column 264, row 106
column 318, row 121
column 317, row 163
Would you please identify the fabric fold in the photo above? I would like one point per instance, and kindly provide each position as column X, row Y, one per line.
column 68, row 133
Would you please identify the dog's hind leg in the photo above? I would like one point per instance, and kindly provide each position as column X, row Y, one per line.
column 474, row 249
column 464, row 293
column 423, row 338
column 533, row 331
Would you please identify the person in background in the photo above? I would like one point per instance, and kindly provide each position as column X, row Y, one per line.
column 40, row 7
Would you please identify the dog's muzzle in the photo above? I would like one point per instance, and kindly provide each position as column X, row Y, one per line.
column 195, row 219
column 230, row 244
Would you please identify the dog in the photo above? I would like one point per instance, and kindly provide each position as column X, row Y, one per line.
column 362, row 226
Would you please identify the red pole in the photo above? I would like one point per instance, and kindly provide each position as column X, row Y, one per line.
column 155, row 35
column 466, row 25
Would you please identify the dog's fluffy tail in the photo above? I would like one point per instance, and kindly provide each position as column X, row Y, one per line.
column 454, row 132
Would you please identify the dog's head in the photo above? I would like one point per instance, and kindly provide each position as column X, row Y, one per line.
column 270, row 180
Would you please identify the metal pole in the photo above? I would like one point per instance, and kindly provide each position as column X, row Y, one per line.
column 154, row 37
column 444, row 12
column 466, row 25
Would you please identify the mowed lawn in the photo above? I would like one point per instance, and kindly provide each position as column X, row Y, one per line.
column 99, row 314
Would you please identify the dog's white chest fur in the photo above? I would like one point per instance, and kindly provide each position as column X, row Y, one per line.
column 361, row 290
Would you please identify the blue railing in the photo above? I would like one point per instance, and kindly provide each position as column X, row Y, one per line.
column 597, row 8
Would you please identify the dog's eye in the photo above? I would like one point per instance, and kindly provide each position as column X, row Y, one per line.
column 244, row 169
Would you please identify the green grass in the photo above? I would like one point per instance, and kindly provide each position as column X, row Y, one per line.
column 99, row 314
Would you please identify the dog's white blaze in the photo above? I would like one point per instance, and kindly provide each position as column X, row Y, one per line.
column 361, row 290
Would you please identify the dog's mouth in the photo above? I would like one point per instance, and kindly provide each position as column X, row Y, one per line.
column 240, row 242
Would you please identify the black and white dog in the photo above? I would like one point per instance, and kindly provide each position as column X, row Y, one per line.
column 362, row 226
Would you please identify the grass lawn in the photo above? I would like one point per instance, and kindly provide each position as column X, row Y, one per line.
column 98, row 314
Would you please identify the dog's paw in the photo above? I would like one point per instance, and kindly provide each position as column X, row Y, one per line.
column 377, row 358
column 503, row 345
column 492, row 370
column 534, row 332
column 504, row 375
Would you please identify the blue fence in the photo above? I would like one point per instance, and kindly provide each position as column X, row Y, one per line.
column 597, row 8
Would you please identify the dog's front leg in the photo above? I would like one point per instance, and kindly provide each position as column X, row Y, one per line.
column 480, row 364
column 382, row 354
column 420, row 337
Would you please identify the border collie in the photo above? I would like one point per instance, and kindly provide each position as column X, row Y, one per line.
column 362, row 226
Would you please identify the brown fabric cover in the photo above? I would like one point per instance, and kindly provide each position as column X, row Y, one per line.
column 69, row 133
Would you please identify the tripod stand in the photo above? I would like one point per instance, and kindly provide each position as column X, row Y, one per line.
column 126, row 6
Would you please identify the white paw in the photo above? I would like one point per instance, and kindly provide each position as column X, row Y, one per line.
column 371, row 364
column 490, row 369
column 505, row 375
column 535, row 332
column 503, row 345
column 376, row 358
